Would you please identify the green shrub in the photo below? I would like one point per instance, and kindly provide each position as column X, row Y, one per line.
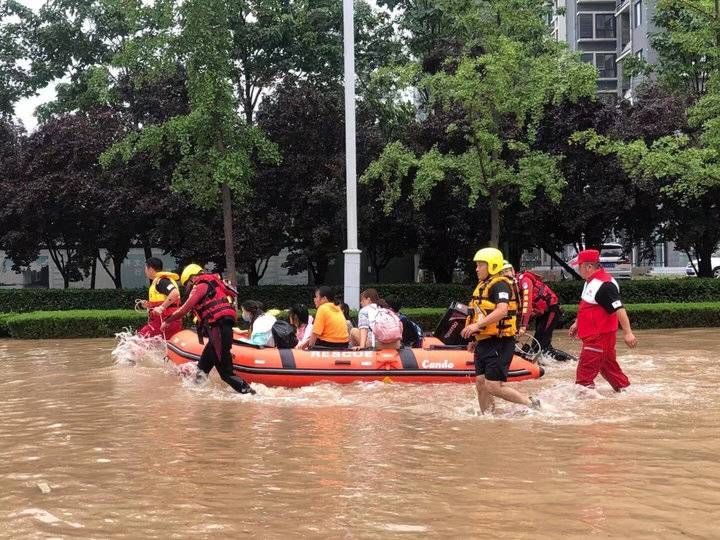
column 4, row 330
column 649, row 291
column 666, row 315
column 99, row 323
column 411, row 294
column 670, row 315
column 25, row 300
column 72, row 324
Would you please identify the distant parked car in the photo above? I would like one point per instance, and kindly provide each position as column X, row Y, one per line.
column 612, row 257
column 714, row 263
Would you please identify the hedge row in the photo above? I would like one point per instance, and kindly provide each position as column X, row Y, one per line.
column 4, row 330
column 646, row 316
column 411, row 295
column 70, row 324
column 99, row 323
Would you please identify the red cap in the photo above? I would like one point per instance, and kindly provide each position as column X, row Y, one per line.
column 586, row 256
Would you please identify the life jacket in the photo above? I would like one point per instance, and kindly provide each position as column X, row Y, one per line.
column 481, row 305
column 215, row 304
column 155, row 297
column 592, row 319
column 543, row 296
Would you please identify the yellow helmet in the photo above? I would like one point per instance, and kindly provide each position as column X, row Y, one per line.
column 190, row 271
column 507, row 266
column 493, row 257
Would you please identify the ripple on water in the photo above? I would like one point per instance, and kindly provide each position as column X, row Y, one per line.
column 403, row 528
column 44, row 516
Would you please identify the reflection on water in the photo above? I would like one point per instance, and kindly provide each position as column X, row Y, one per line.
column 91, row 448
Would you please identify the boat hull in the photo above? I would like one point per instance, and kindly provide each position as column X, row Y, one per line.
column 295, row 368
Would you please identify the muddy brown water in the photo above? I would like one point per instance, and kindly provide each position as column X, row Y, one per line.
column 90, row 449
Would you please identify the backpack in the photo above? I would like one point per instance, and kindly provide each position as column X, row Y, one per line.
column 284, row 335
column 386, row 327
column 415, row 327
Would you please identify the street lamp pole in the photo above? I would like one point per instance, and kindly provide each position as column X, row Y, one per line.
column 352, row 253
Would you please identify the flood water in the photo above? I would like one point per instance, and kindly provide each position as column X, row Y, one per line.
column 91, row 449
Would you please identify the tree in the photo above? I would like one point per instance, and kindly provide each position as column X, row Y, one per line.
column 687, row 44
column 674, row 164
column 498, row 75
column 597, row 193
column 16, row 78
column 305, row 120
column 11, row 137
column 684, row 174
column 217, row 148
column 79, row 42
column 58, row 197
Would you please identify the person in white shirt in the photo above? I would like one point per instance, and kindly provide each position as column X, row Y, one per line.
column 362, row 337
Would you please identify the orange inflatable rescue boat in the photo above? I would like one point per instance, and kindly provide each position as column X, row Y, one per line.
column 434, row 363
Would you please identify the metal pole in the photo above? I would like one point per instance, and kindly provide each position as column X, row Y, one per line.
column 352, row 253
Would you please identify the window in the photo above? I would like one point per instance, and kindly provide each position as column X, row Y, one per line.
column 611, row 251
column 604, row 26
column 585, row 26
column 638, row 13
column 605, row 63
column 639, row 55
column 587, row 57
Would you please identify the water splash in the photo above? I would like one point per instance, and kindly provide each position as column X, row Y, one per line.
column 133, row 349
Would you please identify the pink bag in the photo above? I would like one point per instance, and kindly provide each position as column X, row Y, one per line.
column 387, row 326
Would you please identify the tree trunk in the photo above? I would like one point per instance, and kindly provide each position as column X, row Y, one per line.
column 443, row 274
column 147, row 248
column 319, row 271
column 261, row 268
column 494, row 219
column 562, row 263
column 704, row 252
column 117, row 269
column 252, row 274
column 60, row 263
column 593, row 241
column 93, row 273
column 228, row 232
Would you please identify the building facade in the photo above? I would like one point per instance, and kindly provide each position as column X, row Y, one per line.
column 606, row 34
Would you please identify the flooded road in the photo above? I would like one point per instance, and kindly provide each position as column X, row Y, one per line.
column 90, row 449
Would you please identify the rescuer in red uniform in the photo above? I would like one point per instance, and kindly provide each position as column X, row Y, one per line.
column 599, row 313
column 216, row 317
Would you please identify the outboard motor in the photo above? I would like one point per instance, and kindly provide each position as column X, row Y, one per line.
column 449, row 328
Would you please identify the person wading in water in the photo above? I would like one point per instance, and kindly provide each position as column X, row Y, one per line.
column 216, row 318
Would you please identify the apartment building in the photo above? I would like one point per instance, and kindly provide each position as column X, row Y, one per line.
column 607, row 33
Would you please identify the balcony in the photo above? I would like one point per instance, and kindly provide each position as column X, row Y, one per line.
column 622, row 6
column 627, row 50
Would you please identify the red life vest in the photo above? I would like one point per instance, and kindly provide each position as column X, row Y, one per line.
column 215, row 304
column 543, row 296
column 592, row 319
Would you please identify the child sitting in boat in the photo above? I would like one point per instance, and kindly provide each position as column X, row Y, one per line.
column 303, row 322
column 261, row 323
column 374, row 313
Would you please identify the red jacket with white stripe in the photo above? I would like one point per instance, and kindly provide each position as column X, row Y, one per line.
column 592, row 319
